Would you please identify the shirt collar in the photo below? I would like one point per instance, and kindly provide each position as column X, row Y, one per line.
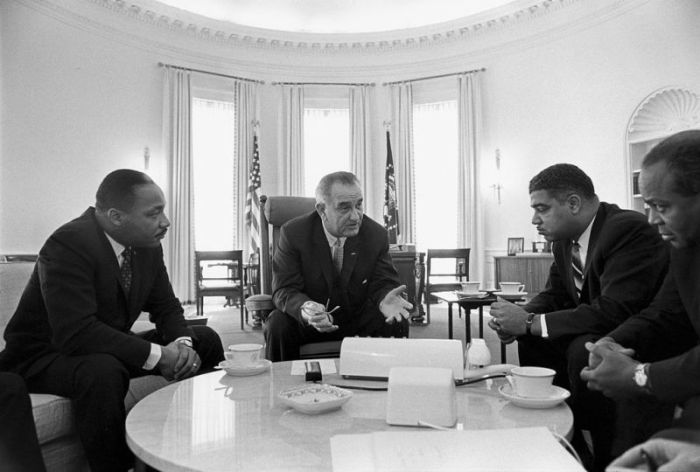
column 332, row 239
column 118, row 248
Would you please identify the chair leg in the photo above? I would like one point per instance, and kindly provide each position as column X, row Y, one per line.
column 242, row 308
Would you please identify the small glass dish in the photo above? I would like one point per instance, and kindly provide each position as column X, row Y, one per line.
column 315, row 399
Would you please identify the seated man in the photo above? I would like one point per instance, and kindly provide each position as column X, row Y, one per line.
column 333, row 257
column 70, row 334
column 655, row 356
column 671, row 450
column 608, row 264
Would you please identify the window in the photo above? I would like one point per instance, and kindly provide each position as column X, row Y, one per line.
column 326, row 144
column 214, row 174
column 435, row 146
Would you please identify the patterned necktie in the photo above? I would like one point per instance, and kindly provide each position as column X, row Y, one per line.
column 577, row 267
column 125, row 270
column 338, row 255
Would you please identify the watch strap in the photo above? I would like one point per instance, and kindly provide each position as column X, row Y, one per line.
column 528, row 324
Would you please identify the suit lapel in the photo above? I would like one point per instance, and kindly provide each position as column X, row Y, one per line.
column 570, row 284
column 593, row 240
column 322, row 253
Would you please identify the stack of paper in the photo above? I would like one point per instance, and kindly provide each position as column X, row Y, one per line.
column 501, row 450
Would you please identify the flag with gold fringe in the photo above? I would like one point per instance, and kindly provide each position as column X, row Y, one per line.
column 391, row 212
column 252, row 203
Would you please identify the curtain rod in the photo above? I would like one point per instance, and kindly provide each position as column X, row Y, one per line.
column 347, row 84
column 434, row 76
column 161, row 64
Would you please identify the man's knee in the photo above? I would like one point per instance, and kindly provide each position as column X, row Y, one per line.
column 278, row 324
column 102, row 373
column 208, row 346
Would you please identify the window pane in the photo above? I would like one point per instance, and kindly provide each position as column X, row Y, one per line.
column 214, row 159
column 435, row 153
column 326, row 144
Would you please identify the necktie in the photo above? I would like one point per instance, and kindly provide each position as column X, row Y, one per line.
column 577, row 267
column 338, row 255
column 125, row 270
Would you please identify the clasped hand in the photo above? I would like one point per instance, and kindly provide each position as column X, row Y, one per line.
column 394, row 307
column 508, row 320
column 316, row 315
column 178, row 361
column 610, row 369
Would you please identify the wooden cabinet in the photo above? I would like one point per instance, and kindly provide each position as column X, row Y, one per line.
column 530, row 269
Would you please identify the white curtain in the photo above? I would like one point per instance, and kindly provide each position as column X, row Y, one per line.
column 402, row 147
column 360, row 153
column 177, row 132
column 246, row 124
column 292, row 165
column 469, row 131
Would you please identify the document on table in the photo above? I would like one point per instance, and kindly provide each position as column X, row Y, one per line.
column 503, row 450
column 327, row 366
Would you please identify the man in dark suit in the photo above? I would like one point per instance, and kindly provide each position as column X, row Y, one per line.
column 608, row 264
column 333, row 257
column 70, row 334
column 655, row 355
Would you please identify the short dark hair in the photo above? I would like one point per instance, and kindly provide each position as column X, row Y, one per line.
column 117, row 189
column 323, row 189
column 561, row 180
column 681, row 153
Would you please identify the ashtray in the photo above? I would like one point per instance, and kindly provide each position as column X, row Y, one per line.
column 314, row 399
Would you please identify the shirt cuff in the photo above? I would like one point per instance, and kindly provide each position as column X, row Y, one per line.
column 543, row 326
column 153, row 357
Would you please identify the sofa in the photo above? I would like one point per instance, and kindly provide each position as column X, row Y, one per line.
column 53, row 415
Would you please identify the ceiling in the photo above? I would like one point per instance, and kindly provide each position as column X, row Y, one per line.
column 338, row 16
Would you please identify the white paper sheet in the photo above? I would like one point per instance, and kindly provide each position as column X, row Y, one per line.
column 502, row 450
column 327, row 366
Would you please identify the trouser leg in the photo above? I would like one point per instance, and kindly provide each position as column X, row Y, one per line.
column 19, row 446
column 97, row 384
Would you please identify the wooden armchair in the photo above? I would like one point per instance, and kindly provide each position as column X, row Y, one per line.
column 452, row 269
column 219, row 274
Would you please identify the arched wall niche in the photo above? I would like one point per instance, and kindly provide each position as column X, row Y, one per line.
column 664, row 112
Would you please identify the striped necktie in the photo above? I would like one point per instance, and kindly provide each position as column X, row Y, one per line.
column 577, row 267
column 338, row 255
column 125, row 270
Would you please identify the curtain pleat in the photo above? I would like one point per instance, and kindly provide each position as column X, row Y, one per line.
column 292, row 162
column 246, row 108
column 402, row 125
column 360, row 138
column 177, row 134
column 470, row 216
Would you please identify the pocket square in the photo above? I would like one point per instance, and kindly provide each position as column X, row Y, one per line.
column 364, row 281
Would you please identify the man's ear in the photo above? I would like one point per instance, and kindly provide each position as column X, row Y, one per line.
column 116, row 217
column 321, row 209
column 573, row 201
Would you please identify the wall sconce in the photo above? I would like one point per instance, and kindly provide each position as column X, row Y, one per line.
column 497, row 186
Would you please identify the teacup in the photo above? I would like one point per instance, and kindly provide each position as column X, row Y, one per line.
column 511, row 287
column 532, row 382
column 471, row 287
column 243, row 354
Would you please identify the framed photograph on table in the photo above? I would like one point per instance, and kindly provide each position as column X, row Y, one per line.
column 516, row 246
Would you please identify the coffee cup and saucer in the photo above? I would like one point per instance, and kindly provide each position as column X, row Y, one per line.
column 471, row 289
column 531, row 387
column 511, row 290
column 243, row 360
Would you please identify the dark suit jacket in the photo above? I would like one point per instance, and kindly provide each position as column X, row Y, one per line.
column 625, row 266
column 74, row 303
column 668, row 330
column 302, row 269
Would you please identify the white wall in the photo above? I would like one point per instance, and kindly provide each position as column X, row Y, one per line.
column 79, row 99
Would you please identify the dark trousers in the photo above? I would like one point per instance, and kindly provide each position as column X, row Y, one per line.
column 284, row 335
column 97, row 384
column 19, row 447
column 614, row 426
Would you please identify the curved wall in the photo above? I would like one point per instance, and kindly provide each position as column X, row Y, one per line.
column 81, row 94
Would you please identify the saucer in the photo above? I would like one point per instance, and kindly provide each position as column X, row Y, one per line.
column 315, row 399
column 557, row 396
column 244, row 370
column 510, row 296
column 472, row 294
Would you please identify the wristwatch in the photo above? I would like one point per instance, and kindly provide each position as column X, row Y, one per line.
column 528, row 324
column 641, row 377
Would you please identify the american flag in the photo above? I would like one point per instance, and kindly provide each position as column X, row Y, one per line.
column 252, row 203
column 391, row 212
